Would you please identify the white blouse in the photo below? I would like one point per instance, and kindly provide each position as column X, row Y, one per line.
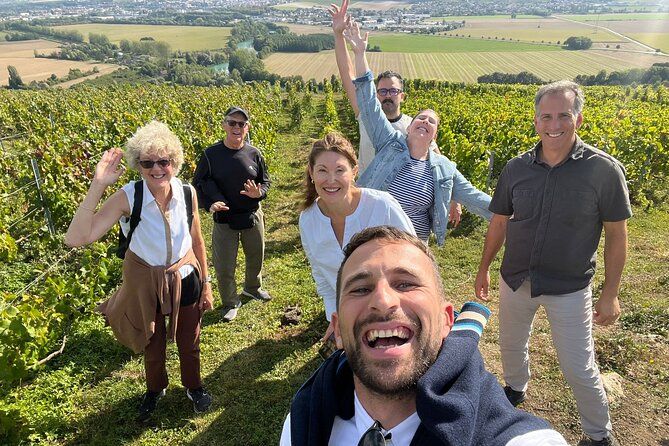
column 375, row 208
column 149, row 240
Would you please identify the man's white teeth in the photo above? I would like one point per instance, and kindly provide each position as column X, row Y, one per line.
column 399, row 332
column 554, row 135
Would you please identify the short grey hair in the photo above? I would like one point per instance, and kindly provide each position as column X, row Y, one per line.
column 559, row 87
column 155, row 138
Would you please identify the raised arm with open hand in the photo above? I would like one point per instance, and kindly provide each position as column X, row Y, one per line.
column 340, row 18
column 109, row 168
column 352, row 35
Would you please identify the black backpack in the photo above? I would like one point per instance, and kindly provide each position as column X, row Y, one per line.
column 135, row 216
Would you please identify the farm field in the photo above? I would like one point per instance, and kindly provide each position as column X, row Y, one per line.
column 628, row 16
column 466, row 67
column 411, row 43
column 651, row 29
column 532, row 30
column 30, row 68
column 656, row 40
column 185, row 38
column 459, row 18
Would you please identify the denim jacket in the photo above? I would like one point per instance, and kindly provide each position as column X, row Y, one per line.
column 392, row 153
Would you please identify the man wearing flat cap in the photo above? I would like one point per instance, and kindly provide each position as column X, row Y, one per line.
column 231, row 179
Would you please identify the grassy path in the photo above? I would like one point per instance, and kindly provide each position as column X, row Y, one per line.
column 253, row 366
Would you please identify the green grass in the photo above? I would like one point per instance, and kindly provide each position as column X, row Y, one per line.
column 185, row 38
column 407, row 43
column 253, row 366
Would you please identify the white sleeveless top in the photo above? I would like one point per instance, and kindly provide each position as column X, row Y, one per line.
column 149, row 241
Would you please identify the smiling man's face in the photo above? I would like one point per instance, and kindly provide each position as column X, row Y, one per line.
column 556, row 121
column 391, row 318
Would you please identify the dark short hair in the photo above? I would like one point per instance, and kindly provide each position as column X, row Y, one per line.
column 389, row 74
column 389, row 234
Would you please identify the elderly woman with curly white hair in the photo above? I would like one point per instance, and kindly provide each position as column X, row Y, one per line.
column 165, row 265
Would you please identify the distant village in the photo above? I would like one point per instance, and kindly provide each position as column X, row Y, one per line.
column 413, row 19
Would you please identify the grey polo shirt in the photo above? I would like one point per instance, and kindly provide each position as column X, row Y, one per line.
column 556, row 216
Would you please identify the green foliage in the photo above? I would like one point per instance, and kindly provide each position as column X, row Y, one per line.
column 523, row 78
column 8, row 248
column 15, row 81
column 67, row 131
column 479, row 120
column 330, row 115
column 578, row 43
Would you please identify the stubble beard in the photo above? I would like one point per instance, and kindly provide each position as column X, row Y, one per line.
column 397, row 378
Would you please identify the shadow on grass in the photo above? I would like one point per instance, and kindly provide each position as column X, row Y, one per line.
column 278, row 248
column 254, row 400
column 467, row 226
column 117, row 425
column 93, row 347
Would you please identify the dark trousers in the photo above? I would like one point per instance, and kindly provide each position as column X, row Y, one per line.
column 188, row 343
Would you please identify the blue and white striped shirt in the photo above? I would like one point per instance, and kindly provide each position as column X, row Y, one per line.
column 413, row 188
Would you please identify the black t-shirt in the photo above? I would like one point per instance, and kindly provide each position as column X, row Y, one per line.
column 220, row 176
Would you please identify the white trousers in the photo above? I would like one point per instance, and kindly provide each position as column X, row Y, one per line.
column 570, row 318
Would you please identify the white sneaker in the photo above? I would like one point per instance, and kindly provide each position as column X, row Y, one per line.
column 229, row 313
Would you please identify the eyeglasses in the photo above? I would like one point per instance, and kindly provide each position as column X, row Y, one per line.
column 148, row 164
column 388, row 91
column 232, row 123
column 374, row 436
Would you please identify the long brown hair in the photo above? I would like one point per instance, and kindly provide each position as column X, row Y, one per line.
column 332, row 142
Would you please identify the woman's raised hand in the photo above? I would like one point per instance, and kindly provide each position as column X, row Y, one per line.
column 109, row 168
column 352, row 35
column 340, row 19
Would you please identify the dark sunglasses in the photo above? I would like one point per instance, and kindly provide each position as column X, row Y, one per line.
column 148, row 164
column 388, row 91
column 374, row 436
column 232, row 123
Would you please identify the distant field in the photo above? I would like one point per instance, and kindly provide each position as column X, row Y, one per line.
column 412, row 43
column 459, row 18
column 185, row 38
column 616, row 17
column 20, row 55
column 656, row 40
column 466, row 67
column 532, row 30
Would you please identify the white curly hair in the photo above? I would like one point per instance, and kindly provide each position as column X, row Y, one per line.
column 156, row 139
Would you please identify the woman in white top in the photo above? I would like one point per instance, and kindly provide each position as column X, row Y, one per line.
column 335, row 209
column 165, row 265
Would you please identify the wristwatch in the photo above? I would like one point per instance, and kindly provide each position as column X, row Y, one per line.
column 207, row 279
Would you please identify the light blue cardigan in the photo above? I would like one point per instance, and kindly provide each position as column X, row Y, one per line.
column 392, row 153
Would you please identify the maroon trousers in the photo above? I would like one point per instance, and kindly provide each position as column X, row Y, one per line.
column 188, row 343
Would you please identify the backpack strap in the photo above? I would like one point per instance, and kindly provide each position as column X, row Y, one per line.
column 135, row 216
column 188, row 197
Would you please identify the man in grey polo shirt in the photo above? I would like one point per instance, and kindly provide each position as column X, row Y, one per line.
column 550, row 205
